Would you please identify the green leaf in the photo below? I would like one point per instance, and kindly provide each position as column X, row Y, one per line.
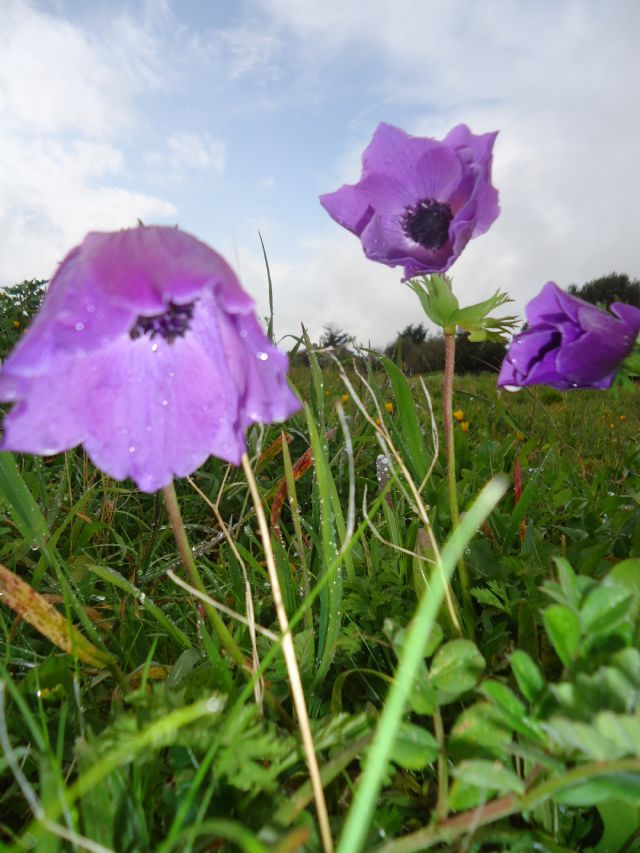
column 410, row 427
column 414, row 747
column 463, row 796
column 627, row 574
column 489, row 775
column 456, row 668
column 621, row 820
column 605, row 608
column 568, row 581
column 423, row 699
column 573, row 735
column 512, row 710
column 479, row 731
column 503, row 697
column 624, row 786
column 528, row 675
column 563, row 628
column 621, row 729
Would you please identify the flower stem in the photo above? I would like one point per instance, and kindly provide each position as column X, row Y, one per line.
column 180, row 534
column 463, row 576
column 292, row 664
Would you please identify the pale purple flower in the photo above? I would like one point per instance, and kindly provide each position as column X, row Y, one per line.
column 146, row 351
column 419, row 201
column 569, row 343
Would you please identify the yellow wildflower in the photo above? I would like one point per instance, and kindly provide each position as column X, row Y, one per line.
column 464, row 426
column 345, row 398
column 623, row 417
column 458, row 415
column 389, row 407
column 520, row 436
column 16, row 324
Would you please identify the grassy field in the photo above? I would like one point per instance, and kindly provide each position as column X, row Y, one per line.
column 136, row 731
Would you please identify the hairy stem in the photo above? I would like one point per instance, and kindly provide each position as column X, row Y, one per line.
column 447, row 402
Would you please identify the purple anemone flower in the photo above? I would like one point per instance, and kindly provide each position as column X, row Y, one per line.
column 147, row 351
column 419, row 201
column 569, row 343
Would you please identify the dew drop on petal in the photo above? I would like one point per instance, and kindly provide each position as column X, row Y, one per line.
column 263, row 356
column 171, row 375
column 91, row 309
column 132, row 449
column 79, row 327
column 243, row 333
column 165, row 402
column 154, row 348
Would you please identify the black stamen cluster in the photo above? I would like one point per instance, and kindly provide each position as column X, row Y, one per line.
column 172, row 324
column 427, row 223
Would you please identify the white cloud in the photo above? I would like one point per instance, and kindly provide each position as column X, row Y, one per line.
column 68, row 101
column 187, row 151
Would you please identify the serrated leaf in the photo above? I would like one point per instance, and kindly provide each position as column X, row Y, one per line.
column 621, row 729
column 573, row 735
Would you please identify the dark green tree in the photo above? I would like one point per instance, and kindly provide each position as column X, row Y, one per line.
column 614, row 287
column 18, row 304
column 334, row 337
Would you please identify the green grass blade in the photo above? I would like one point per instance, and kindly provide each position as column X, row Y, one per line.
column 412, row 433
column 21, row 503
column 331, row 597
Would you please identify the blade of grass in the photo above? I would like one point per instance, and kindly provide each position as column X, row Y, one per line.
column 21, row 503
column 38, row 612
column 266, row 263
column 116, row 579
column 331, row 597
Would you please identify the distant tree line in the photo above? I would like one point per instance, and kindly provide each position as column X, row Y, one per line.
column 419, row 351
column 414, row 348
column 614, row 287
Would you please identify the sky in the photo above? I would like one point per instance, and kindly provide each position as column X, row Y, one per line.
column 230, row 117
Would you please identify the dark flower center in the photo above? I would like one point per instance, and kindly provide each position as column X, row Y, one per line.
column 427, row 223
column 172, row 324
